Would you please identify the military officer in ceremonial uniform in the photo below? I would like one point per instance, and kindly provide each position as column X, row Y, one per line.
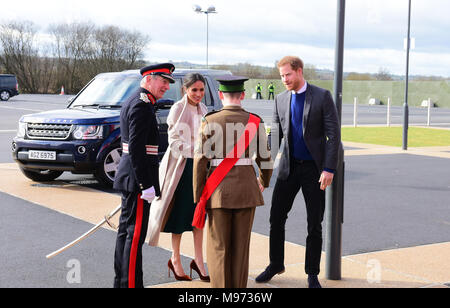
column 231, row 207
column 137, row 174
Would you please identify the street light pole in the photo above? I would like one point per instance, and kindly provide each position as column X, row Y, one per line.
column 207, row 40
column 335, row 193
column 210, row 10
column 405, row 106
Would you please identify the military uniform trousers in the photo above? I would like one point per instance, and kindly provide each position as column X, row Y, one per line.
column 130, row 238
column 228, row 246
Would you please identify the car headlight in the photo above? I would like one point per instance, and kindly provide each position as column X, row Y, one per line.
column 22, row 130
column 88, row 132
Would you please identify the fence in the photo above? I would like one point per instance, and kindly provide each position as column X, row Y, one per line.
column 438, row 91
column 428, row 104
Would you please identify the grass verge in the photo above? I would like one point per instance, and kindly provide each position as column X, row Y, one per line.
column 393, row 136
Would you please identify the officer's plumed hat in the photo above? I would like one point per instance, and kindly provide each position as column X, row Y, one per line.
column 164, row 70
column 231, row 84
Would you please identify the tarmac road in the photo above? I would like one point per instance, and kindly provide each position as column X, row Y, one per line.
column 392, row 200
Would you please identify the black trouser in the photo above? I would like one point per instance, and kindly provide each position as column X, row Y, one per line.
column 130, row 238
column 271, row 95
column 303, row 175
column 258, row 95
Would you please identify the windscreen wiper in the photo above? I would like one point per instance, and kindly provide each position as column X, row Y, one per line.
column 99, row 106
column 83, row 106
column 110, row 106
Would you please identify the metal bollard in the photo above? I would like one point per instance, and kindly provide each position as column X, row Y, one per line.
column 389, row 112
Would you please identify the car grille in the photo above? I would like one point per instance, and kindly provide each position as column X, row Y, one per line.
column 48, row 131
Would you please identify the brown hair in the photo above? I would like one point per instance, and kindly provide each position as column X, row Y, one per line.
column 192, row 78
column 232, row 95
column 294, row 62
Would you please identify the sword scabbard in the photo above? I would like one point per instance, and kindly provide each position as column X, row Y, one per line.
column 87, row 234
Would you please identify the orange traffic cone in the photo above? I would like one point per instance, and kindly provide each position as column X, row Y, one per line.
column 62, row 91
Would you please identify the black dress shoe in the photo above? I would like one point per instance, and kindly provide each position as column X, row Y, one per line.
column 313, row 282
column 268, row 274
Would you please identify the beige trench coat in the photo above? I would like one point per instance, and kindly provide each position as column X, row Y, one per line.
column 172, row 164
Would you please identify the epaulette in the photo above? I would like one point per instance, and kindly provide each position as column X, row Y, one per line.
column 212, row 112
column 143, row 97
column 209, row 113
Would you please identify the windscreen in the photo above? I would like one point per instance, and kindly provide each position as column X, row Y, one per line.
column 108, row 90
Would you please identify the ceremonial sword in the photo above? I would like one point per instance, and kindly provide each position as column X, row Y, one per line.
column 87, row 234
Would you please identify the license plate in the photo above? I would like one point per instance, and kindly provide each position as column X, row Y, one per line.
column 42, row 155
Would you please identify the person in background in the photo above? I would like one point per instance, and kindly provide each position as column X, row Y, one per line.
column 271, row 89
column 259, row 91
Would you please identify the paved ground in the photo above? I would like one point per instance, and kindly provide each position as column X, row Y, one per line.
column 396, row 230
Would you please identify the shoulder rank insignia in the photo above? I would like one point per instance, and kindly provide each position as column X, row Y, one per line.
column 145, row 98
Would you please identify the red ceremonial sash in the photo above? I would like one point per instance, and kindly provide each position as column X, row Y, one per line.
column 222, row 170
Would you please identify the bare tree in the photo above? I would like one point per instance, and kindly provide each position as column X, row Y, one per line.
column 117, row 49
column 84, row 50
column 74, row 49
column 77, row 52
column 383, row 74
column 310, row 72
column 23, row 56
column 136, row 43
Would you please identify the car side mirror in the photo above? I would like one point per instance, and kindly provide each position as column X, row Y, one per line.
column 70, row 100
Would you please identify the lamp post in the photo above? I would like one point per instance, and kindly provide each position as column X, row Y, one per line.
column 210, row 10
column 335, row 193
column 405, row 106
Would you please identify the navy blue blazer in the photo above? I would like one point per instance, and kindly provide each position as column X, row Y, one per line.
column 321, row 129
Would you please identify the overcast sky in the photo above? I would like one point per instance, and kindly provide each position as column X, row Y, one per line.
column 261, row 32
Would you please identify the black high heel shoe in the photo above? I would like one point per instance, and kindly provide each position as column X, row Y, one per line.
column 195, row 268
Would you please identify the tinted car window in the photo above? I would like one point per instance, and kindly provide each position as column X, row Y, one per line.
column 8, row 81
column 175, row 92
column 207, row 100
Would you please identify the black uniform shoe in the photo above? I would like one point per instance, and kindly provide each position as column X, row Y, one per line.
column 268, row 274
column 313, row 282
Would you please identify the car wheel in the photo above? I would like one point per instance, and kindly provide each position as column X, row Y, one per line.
column 4, row 95
column 41, row 175
column 106, row 171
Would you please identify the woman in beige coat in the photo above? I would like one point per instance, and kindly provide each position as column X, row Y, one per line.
column 174, row 210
